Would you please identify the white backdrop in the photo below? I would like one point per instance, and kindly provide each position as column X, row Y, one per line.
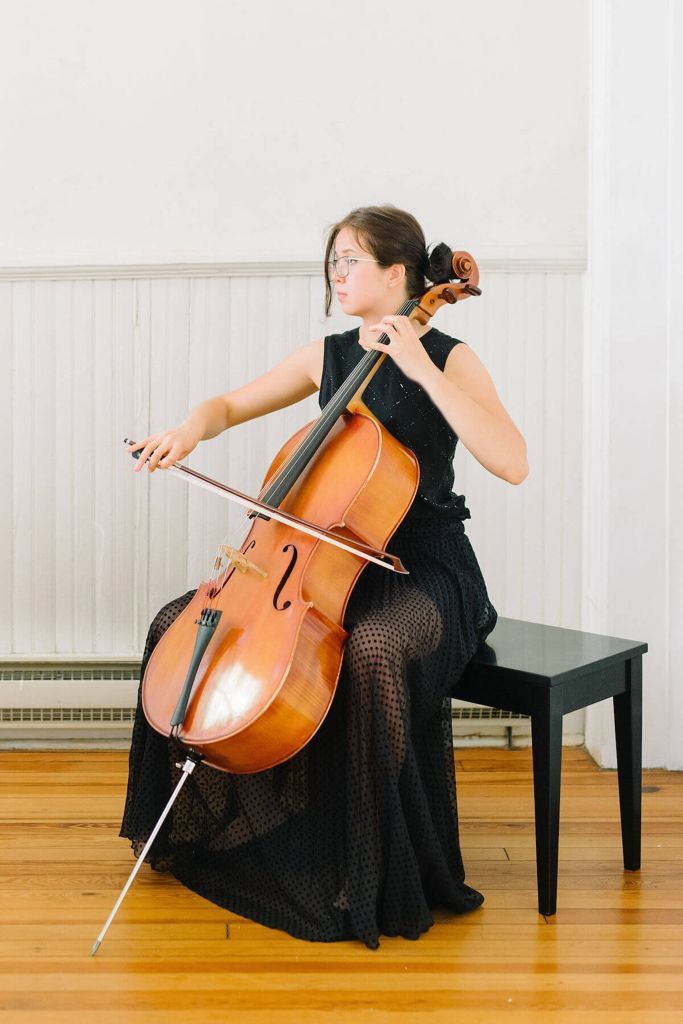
column 633, row 362
column 145, row 134
column 157, row 131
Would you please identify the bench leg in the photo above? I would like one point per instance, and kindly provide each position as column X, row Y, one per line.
column 628, row 728
column 546, row 742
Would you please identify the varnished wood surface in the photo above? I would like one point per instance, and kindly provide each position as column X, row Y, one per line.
column 613, row 952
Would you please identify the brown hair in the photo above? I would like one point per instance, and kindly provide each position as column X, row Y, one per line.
column 392, row 236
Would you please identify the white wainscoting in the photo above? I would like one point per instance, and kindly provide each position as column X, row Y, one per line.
column 89, row 550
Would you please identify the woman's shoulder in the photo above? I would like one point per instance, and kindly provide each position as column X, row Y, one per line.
column 341, row 349
column 433, row 336
column 440, row 345
column 339, row 337
column 341, row 353
column 440, row 338
column 437, row 342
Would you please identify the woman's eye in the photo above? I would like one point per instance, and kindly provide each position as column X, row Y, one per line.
column 352, row 261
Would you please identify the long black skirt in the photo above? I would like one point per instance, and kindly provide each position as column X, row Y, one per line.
column 357, row 834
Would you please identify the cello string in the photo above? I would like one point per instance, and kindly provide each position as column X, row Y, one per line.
column 320, row 429
column 332, row 410
column 348, row 388
column 311, row 442
column 211, row 580
column 213, row 590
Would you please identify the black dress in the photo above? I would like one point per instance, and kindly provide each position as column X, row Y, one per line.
column 357, row 834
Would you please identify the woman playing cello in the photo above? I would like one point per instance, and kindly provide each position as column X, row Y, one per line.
column 356, row 835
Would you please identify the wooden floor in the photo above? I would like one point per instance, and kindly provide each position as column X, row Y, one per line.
column 613, row 952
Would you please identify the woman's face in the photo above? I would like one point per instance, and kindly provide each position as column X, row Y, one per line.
column 367, row 289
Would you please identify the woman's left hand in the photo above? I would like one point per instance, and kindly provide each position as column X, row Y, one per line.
column 404, row 347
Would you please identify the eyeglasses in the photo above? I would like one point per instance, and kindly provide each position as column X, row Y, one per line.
column 343, row 264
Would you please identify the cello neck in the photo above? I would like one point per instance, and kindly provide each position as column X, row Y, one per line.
column 351, row 388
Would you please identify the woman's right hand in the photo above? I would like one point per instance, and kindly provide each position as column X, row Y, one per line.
column 163, row 450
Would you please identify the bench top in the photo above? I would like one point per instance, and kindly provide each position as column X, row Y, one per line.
column 548, row 655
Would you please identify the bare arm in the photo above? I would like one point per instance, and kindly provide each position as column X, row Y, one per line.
column 294, row 378
column 467, row 398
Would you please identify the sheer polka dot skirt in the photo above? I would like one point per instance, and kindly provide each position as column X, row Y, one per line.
column 356, row 835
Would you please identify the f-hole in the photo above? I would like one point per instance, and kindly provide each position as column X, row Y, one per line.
column 284, row 579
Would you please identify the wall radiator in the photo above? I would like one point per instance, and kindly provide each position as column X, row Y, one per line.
column 95, row 699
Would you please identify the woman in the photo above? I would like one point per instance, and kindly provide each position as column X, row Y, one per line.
column 357, row 834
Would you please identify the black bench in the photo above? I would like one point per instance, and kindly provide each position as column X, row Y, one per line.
column 546, row 672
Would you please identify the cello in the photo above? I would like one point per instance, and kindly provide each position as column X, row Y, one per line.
column 244, row 676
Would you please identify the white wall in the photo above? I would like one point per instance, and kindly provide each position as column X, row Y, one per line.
column 146, row 134
column 142, row 134
column 161, row 132
column 633, row 419
column 89, row 551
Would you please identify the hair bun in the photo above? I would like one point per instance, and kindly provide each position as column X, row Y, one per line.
column 440, row 264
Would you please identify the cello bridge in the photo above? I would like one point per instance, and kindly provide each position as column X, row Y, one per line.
column 240, row 561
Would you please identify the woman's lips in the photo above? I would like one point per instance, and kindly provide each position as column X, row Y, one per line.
column 341, row 295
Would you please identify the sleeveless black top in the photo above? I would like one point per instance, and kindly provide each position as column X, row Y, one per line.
column 407, row 411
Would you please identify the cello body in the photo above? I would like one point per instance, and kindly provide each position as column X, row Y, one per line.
column 268, row 677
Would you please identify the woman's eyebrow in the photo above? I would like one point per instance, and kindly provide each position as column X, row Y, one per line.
column 343, row 251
